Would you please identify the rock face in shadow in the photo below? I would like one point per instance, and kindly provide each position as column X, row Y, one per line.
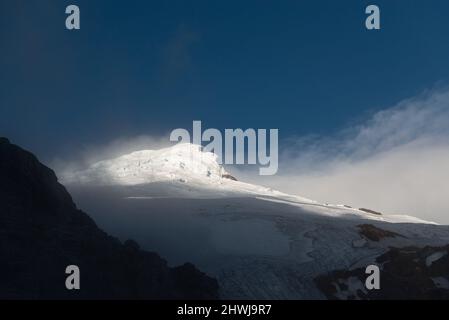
column 42, row 232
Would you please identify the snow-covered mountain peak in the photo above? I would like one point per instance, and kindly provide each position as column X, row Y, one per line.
column 183, row 170
column 182, row 162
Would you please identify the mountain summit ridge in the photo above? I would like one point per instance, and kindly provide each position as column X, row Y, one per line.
column 181, row 161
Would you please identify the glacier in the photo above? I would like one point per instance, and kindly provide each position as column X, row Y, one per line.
column 258, row 242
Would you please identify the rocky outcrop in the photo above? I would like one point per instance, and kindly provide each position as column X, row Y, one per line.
column 374, row 233
column 42, row 232
column 228, row 176
column 370, row 211
column 406, row 273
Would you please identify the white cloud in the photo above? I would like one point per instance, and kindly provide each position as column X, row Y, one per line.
column 397, row 162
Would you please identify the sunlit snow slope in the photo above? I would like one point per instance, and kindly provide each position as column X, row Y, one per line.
column 184, row 170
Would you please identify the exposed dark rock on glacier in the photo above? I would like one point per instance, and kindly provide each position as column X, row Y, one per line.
column 228, row 176
column 374, row 233
column 370, row 211
column 42, row 232
column 406, row 273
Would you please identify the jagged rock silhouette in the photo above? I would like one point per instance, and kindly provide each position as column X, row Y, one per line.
column 42, row 232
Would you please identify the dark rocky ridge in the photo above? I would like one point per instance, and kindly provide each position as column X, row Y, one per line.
column 42, row 232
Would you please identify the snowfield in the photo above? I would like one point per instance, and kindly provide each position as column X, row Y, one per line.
column 187, row 172
column 258, row 242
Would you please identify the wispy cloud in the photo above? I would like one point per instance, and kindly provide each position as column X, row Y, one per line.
column 177, row 53
column 396, row 162
column 90, row 154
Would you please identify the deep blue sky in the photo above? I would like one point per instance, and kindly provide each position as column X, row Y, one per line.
column 146, row 67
